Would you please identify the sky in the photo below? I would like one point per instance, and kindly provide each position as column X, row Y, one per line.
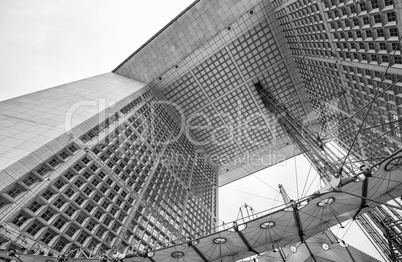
column 46, row 43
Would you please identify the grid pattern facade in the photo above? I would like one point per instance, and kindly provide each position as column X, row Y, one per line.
column 123, row 184
column 348, row 54
column 182, row 38
column 342, row 50
column 214, row 89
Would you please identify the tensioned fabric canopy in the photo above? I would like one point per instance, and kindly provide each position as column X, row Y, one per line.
column 284, row 226
column 323, row 247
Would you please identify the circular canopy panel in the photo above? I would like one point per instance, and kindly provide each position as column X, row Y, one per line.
column 219, row 240
column 240, row 227
column 393, row 164
column 326, row 202
column 177, row 254
column 268, row 224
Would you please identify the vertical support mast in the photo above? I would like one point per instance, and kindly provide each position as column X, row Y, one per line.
column 293, row 204
column 285, row 196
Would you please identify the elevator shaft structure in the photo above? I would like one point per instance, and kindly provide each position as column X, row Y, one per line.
column 309, row 145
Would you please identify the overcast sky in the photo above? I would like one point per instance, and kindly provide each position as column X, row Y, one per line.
column 45, row 43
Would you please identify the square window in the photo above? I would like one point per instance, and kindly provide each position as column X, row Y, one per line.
column 391, row 16
column 107, row 220
column 113, row 211
column 59, row 223
column 393, row 31
column 95, row 182
column 89, row 208
column 69, row 175
column 54, row 162
column 69, row 192
column 73, row 148
column 101, row 174
column 59, row 203
column 88, row 191
column 87, row 175
column 35, row 206
column 71, row 230
column 105, row 204
column 116, row 227
column 119, row 201
column 59, row 184
column 80, row 218
column 79, row 200
column 98, row 214
column 34, row 228
column 48, row 194
column 47, row 215
column 377, row 18
column 19, row 220
column 63, row 155
column 96, row 197
column 14, row 192
column 85, row 160
column 60, row 245
column 91, row 225
column 78, row 183
column 100, row 231
column 94, row 168
column 388, row 2
column 111, row 196
column 374, row 4
column 30, row 180
column 103, row 189
column 366, row 20
column 70, row 211
column 77, row 167
column 380, row 33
